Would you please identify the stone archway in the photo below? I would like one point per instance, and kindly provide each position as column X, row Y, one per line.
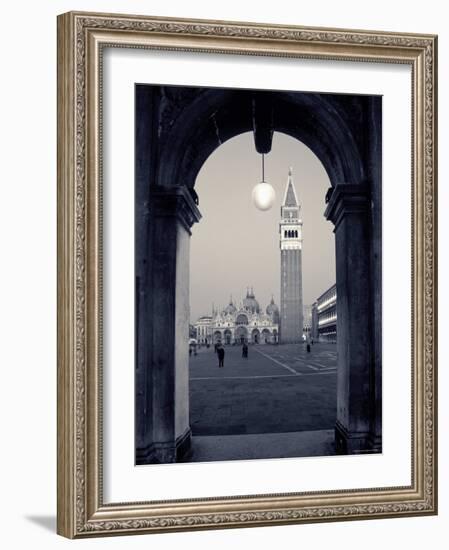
column 266, row 336
column 242, row 319
column 255, row 336
column 227, row 337
column 177, row 128
column 241, row 334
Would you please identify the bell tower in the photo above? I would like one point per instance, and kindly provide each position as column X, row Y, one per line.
column 290, row 238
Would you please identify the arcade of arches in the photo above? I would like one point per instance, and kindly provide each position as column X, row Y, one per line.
column 177, row 128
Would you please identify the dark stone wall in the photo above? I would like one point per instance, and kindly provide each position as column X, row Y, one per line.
column 193, row 122
column 373, row 152
column 145, row 161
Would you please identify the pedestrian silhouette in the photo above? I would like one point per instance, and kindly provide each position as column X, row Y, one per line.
column 221, row 354
column 245, row 350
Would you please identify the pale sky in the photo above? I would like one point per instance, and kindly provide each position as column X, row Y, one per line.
column 235, row 245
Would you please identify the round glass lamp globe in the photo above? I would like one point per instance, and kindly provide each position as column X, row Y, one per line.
column 263, row 196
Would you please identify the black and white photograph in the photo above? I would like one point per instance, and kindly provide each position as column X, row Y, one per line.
column 258, row 274
column 223, row 237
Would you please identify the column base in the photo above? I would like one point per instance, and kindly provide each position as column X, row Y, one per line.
column 165, row 452
column 348, row 443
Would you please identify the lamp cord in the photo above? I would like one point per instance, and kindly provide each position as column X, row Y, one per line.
column 263, row 168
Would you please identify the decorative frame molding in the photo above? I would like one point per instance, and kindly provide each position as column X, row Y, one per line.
column 81, row 37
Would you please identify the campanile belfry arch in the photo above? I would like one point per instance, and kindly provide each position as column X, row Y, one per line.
column 177, row 128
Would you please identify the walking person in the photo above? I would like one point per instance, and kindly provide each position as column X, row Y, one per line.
column 221, row 354
column 245, row 350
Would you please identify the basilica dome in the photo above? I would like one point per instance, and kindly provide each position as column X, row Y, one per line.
column 230, row 308
column 250, row 303
column 273, row 310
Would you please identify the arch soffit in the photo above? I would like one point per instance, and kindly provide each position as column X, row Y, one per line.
column 214, row 116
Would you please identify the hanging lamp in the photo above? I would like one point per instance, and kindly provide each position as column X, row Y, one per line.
column 263, row 193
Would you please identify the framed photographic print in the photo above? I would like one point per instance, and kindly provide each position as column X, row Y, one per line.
column 246, row 276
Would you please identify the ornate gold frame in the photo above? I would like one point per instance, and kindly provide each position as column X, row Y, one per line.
column 81, row 511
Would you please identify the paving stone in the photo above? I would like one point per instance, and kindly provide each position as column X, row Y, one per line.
column 259, row 395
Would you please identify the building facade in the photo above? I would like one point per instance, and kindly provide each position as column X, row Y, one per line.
column 192, row 331
column 290, row 237
column 326, row 315
column 203, row 333
column 314, row 327
column 307, row 321
column 244, row 322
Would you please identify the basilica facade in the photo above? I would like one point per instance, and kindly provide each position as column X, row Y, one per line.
column 239, row 323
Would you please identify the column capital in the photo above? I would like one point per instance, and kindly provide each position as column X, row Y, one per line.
column 175, row 202
column 346, row 199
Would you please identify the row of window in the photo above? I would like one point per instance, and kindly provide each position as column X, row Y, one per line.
column 291, row 234
column 243, row 330
column 327, row 318
column 328, row 298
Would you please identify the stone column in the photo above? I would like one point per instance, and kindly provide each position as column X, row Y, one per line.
column 173, row 212
column 349, row 209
